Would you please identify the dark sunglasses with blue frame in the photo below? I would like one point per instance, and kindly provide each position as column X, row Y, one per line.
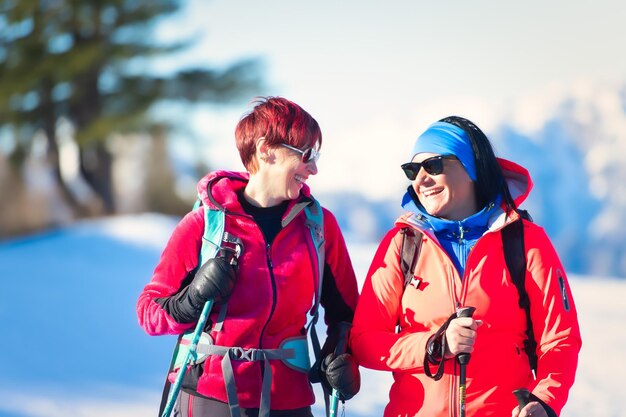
column 433, row 166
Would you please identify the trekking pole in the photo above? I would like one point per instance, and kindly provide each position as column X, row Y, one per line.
column 463, row 360
column 191, row 354
column 233, row 259
column 342, row 347
column 523, row 397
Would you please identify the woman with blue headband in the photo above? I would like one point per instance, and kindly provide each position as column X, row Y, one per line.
column 463, row 272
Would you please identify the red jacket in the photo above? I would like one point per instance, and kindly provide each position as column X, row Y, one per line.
column 498, row 363
column 273, row 294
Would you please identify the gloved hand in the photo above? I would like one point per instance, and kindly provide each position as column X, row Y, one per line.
column 214, row 280
column 342, row 373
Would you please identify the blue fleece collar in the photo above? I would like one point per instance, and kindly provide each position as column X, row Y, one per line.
column 477, row 221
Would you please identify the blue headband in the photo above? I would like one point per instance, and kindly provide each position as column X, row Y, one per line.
column 447, row 139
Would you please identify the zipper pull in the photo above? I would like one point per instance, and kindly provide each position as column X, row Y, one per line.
column 268, row 255
column 461, row 232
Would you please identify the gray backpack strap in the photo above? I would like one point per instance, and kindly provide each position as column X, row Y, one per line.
column 230, row 354
column 315, row 223
column 409, row 253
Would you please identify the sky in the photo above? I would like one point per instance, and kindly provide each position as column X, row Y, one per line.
column 72, row 345
column 376, row 74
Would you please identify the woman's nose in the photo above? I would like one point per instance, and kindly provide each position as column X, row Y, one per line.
column 312, row 167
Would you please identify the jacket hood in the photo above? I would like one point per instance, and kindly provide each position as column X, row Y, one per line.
column 218, row 189
column 518, row 179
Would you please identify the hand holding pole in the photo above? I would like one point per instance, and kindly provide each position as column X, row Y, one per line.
column 463, row 360
column 341, row 348
column 232, row 258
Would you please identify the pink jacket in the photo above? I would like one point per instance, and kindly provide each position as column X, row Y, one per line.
column 498, row 363
column 270, row 301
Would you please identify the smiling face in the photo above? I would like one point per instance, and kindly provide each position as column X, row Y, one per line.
column 280, row 176
column 449, row 195
column 290, row 173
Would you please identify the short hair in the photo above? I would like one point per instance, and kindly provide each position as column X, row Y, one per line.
column 490, row 181
column 278, row 120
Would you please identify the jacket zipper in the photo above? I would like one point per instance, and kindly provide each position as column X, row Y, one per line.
column 270, row 266
column 458, row 303
column 454, row 411
column 268, row 256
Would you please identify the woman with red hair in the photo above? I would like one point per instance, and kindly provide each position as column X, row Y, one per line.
column 256, row 360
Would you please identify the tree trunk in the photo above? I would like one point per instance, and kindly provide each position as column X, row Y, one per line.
column 95, row 164
column 49, row 127
column 95, row 159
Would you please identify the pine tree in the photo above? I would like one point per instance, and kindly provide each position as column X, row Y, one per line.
column 69, row 59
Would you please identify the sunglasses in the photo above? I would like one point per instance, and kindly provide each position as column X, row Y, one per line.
column 307, row 155
column 433, row 166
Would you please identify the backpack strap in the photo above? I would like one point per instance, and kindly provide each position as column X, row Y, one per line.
column 315, row 223
column 409, row 253
column 515, row 257
column 214, row 238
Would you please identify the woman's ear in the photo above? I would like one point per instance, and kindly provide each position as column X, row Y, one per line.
column 263, row 151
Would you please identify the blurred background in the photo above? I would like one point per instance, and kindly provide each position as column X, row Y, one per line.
column 119, row 106
column 111, row 110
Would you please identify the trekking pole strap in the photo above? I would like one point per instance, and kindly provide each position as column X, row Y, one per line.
column 437, row 357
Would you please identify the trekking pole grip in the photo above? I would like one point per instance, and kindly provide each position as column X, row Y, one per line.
column 464, row 358
column 523, row 397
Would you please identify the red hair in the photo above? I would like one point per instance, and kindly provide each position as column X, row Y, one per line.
column 278, row 120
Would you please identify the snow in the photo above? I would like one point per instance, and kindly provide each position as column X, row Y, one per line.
column 71, row 344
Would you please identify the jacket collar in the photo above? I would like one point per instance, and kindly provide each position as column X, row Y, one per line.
column 219, row 189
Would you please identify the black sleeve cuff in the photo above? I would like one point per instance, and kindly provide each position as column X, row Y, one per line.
column 180, row 307
column 545, row 406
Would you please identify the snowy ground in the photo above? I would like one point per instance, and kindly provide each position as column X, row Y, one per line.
column 71, row 345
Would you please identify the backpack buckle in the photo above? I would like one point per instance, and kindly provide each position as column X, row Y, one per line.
column 242, row 354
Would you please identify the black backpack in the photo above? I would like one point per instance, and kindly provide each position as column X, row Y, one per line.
column 514, row 255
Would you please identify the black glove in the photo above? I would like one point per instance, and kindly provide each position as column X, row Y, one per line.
column 213, row 281
column 316, row 374
column 342, row 373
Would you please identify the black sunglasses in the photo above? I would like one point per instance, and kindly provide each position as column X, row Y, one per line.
column 433, row 166
column 307, row 155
